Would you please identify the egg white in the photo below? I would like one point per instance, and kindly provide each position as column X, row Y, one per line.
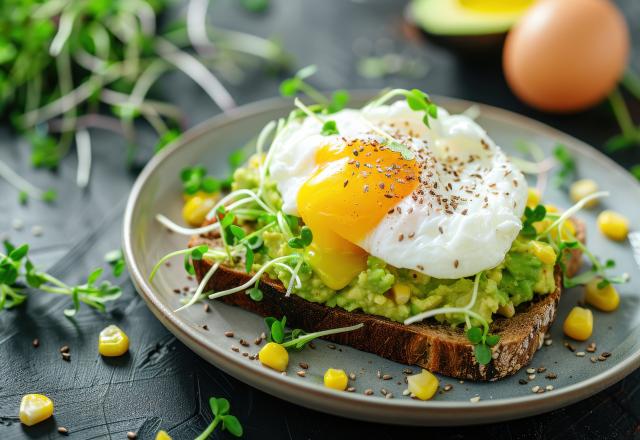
column 418, row 236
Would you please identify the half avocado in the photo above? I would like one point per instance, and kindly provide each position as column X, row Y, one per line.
column 468, row 25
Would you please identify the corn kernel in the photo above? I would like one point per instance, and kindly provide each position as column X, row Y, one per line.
column 35, row 408
column 197, row 207
column 579, row 324
column 274, row 356
column 543, row 252
column 162, row 435
column 605, row 299
column 113, row 342
column 336, row 379
column 423, row 385
column 401, row 293
column 613, row 225
column 533, row 197
column 583, row 188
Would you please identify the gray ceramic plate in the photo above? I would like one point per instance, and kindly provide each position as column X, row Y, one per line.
column 158, row 190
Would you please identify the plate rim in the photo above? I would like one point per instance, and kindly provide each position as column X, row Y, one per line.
column 430, row 413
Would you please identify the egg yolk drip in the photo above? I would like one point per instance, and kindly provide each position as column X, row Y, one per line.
column 353, row 187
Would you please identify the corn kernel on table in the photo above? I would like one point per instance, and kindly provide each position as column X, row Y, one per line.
column 160, row 384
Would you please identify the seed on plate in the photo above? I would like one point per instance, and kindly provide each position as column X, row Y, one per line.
column 63, row 430
column 207, row 308
column 388, row 396
column 531, row 376
column 551, row 376
column 245, row 354
column 580, row 354
column 235, row 348
column 352, row 376
column 205, row 327
column 379, row 374
column 383, row 391
column 549, row 388
column 252, row 357
column 548, row 342
column 331, row 347
column 176, row 291
column 387, row 377
column 132, row 435
column 244, row 343
column 461, row 381
column 258, row 341
column 64, row 349
column 368, row 392
column 407, row 371
column 569, row 346
column 475, row 399
column 593, row 359
column 66, row 357
column 304, row 365
column 541, row 369
column 591, row 348
column 301, row 373
column 351, row 389
column 522, row 382
column 531, row 370
column 406, row 392
column 35, row 343
column 602, row 358
column 605, row 354
column 535, row 389
column 228, row 334
column 311, row 345
column 448, row 387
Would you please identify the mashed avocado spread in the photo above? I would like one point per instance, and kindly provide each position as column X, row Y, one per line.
column 401, row 293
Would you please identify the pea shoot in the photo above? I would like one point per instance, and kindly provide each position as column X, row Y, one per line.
column 17, row 274
column 220, row 408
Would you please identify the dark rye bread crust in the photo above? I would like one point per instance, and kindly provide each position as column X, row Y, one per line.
column 435, row 347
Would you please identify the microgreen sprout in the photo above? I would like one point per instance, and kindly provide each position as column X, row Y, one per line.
column 297, row 84
column 329, row 128
column 115, row 259
column 17, row 273
column 417, row 101
column 482, row 342
column 220, row 408
column 532, row 216
column 296, row 339
column 303, row 240
column 567, row 169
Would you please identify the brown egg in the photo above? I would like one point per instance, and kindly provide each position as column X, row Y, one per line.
column 566, row 55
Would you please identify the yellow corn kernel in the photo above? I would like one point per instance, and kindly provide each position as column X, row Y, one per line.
column 336, row 379
column 274, row 356
column 583, row 188
column 162, row 435
column 35, row 408
column 423, row 385
column 113, row 342
column 605, row 299
column 533, row 197
column 507, row 310
column 197, row 207
column 401, row 293
column 578, row 324
column 613, row 225
column 543, row 252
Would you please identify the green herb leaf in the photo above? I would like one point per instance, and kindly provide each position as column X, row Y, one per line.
column 329, row 128
column 567, row 166
column 255, row 294
column 249, row 257
column 406, row 153
column 483, row 354
column 223, row 406
column 277, row 332
column 532, row 216
column 474, row 335
column 231, row 424
column 492, row 340
column 339, row 100
column 635, row 171
column 306, row 236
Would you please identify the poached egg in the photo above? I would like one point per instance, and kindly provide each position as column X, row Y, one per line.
column 449, row 212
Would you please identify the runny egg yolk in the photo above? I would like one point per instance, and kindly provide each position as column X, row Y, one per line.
column 354, row 185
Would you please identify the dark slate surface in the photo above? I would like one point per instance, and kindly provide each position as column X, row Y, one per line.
column 160, row 383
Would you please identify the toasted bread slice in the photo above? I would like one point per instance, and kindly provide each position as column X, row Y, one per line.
column 436, row 347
